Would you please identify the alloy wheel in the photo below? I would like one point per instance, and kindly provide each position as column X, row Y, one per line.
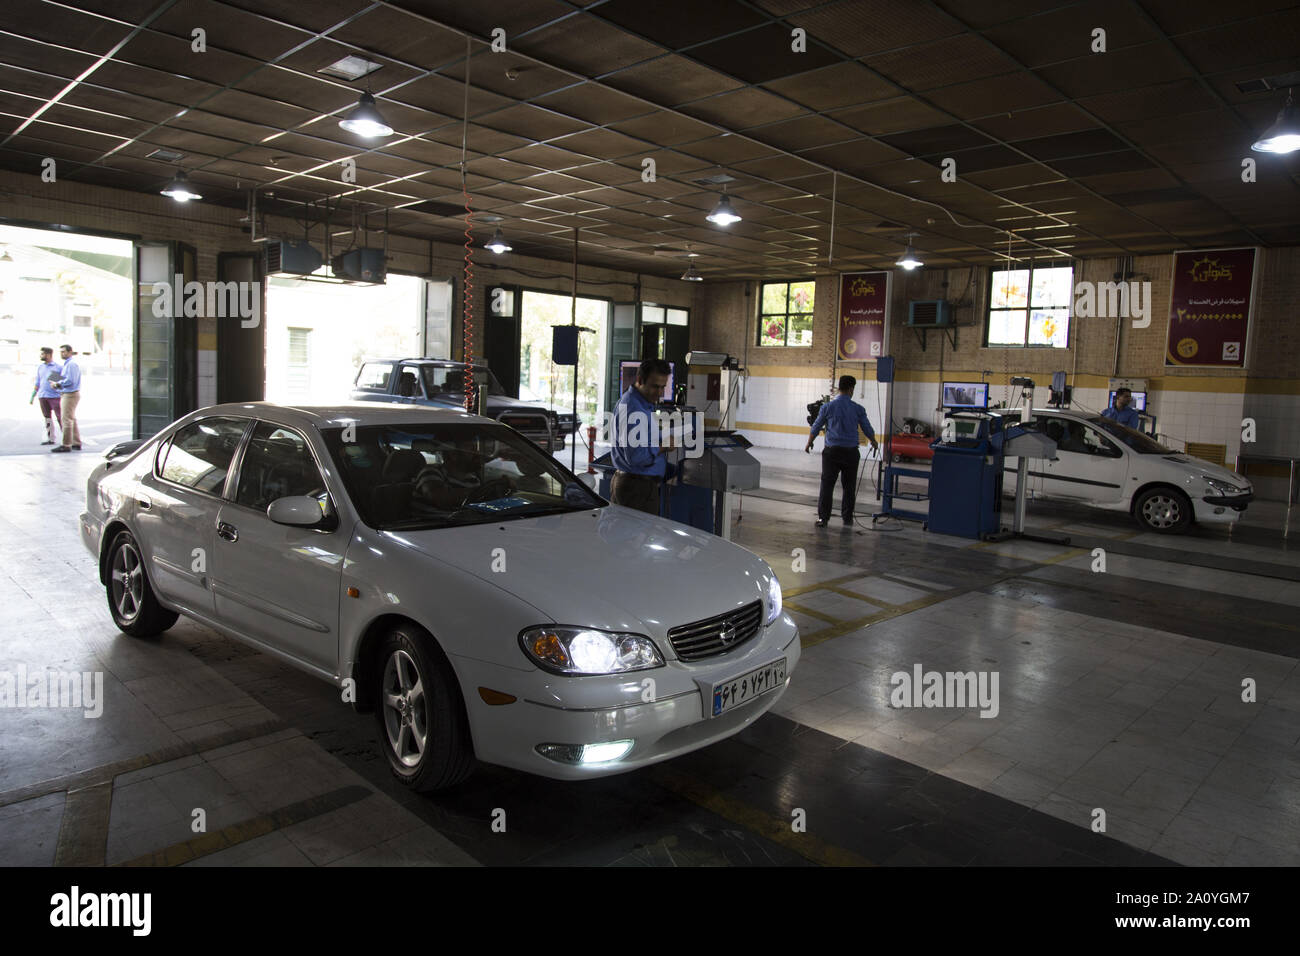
column 405, row 708
column 128, row 582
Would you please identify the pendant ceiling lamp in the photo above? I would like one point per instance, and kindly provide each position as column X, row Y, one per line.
column 365, row 119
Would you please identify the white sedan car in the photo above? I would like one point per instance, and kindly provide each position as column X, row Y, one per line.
column 447, row 574
column 1107, row 465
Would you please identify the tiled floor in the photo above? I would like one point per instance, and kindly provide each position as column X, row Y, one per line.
column 1119, row 692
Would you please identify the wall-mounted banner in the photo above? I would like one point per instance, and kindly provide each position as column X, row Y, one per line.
column 1209, row 308
column 864, row 310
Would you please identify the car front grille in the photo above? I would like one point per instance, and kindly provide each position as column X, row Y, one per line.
column 716, row 635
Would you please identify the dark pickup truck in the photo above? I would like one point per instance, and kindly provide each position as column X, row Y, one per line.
column 441, row 383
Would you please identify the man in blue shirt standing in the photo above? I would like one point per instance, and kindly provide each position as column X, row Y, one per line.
column 47, row 394
column 69, row 389
column 640, row 462
column 1123, row 411
column 841, row 417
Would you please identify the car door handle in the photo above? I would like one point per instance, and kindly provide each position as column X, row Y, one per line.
column 227, row 531
column 144, row 501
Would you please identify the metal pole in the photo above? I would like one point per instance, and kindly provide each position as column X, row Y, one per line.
column 573, row 447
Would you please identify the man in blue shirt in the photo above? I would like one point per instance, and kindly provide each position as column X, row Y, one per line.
column 69, row 389
column 841, row 417
column 47, row 394
column 1123, row 411
column 640, row 462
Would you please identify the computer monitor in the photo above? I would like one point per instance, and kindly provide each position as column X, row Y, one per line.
column 966, row 395
column 627, row 378
column 1139, row 400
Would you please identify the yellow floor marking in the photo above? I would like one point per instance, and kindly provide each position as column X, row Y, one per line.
column 756, row 821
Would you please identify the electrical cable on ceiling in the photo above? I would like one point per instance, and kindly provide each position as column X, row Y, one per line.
column 468, row 301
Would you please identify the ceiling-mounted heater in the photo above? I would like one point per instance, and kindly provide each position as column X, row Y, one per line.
column 365, row 265
column 286, row 257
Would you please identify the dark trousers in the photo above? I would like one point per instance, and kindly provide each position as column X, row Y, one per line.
column 841, row 463
column 635, row 491
column 50, row 406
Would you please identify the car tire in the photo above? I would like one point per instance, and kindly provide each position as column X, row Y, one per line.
column 131, row 600
column 420, row 711
column 1163, row 510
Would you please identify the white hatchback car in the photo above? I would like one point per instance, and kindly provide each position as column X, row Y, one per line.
column 1107, row 465
column 448, row 575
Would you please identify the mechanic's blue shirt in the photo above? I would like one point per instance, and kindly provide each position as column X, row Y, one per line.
column 1128, row 416
column 842, row 417
column 634, row 450
column 71, row 381
column 43, row 387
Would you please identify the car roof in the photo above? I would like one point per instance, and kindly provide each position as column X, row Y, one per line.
column 343, row 413
column 417, row 361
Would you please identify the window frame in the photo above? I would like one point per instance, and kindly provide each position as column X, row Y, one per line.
column 237, row 469
column 1028, row 309
column 165, row 449
column 763, row 317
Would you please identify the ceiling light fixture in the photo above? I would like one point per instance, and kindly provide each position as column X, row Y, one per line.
column 498, row 243
column 365, row 119
column 5, row 257
column 1284, row 135
column 910, row 259
column 691, row 275
column 179, row 188
column 722, row 213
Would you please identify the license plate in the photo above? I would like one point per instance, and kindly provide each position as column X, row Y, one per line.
column 741, row 690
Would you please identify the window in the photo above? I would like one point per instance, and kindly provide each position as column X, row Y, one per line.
column 408, row 383
column 785, row 313
column 1076, row 437
column 1029, row 308
column 200, row 453
column 299, row 371
column 374, row 375
column 277, row 464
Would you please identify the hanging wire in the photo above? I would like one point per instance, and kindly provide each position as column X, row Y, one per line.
column 467, row 309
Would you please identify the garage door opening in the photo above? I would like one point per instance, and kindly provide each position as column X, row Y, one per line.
column 318, row 333
column 61, row 288
column 552, row 385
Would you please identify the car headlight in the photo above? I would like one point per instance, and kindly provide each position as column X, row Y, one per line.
column 583, row 650
column 1222, row 487
column 773, row 598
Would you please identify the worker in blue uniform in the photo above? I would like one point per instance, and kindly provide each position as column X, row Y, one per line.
column 841, row 417
column 1123, row 411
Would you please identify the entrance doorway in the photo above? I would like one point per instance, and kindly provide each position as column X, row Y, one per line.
column 552, row 385
column 318, row 334
column 60, row 288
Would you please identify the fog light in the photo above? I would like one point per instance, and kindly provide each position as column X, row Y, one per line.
column 586, row 753
column 1218, row 511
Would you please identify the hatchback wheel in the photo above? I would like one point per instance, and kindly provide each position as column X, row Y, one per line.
column 1164, row 510
column 131, row 600
column 421, row 715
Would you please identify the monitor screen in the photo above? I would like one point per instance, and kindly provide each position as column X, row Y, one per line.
column 1139, row 400
column 966, row 395
column 627, row 378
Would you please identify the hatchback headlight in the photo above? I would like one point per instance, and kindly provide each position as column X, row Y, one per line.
column 1222, row 487
column 773, row 598
column 582, row 650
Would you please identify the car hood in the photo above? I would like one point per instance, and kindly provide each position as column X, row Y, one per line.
column 1197, row 467
column 612, row 568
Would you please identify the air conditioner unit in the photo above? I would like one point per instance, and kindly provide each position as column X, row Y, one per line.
column 287, row 257
column 361, row 265
column 929, row 314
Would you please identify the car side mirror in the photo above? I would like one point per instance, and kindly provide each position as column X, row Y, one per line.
column 589, row 480
column 297, row 510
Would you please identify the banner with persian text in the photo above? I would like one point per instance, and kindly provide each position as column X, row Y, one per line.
column 864, row 309
column 1209, row 308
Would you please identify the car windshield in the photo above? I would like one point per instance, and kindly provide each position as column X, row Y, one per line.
column 1141, row 443
column 443, row 379
column 441, row 475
